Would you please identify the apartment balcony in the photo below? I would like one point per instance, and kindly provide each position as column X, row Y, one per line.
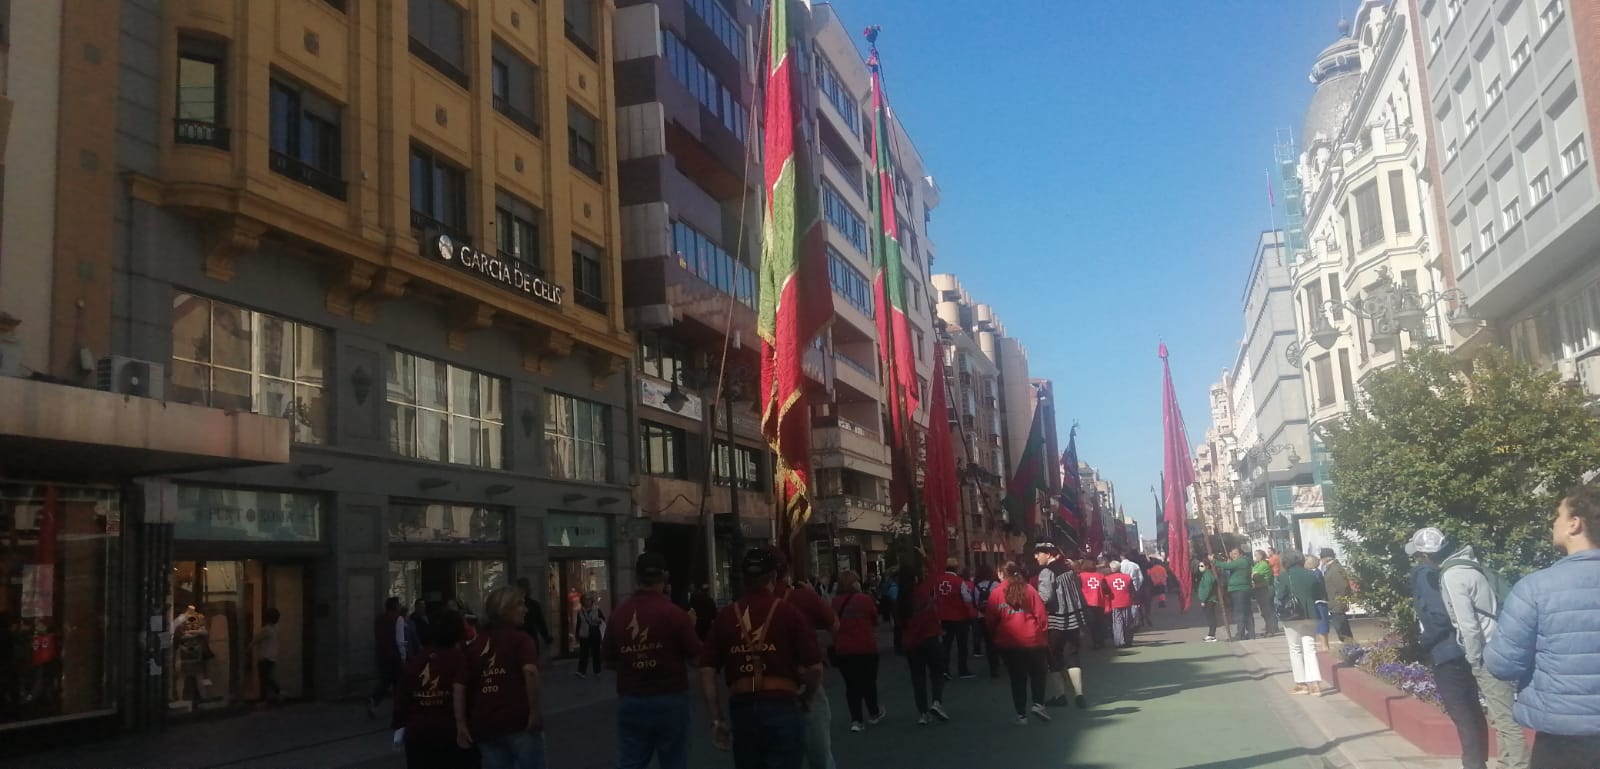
column 850, row 512
column 700, row 143
column 841, row 443
column 858, row 377
column 670, row 280
column 858, row 326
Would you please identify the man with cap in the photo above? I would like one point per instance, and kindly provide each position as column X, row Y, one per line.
column 648, row 640
column 957, row 599
column 771, row 662
column 1064, row 609
column 1336, row 580
column 1458, row 691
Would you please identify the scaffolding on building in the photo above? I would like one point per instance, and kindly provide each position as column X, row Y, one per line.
column 1286, row 155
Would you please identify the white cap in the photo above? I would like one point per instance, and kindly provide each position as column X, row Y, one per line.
column 1428, row 540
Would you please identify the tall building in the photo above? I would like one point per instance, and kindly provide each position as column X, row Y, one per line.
column 1214, row 491
column 973, row 384
column 1513, row 97
column 392, row 231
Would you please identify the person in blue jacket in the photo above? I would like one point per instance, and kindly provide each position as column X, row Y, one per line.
column 1548, row 641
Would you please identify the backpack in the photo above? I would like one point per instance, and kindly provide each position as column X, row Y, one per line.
column 1497, row 581
column 984, row 589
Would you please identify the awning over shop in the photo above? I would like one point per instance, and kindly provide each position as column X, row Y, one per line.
column 50, row 430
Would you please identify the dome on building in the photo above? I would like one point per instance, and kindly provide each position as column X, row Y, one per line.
column 1337, row 75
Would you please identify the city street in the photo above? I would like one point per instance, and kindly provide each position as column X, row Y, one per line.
column 1171, row 701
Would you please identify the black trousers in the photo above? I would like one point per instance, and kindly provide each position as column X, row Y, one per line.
column 1341, row 625
column 927, row 661
column 980, row 637
column 421, row 755
column 1269, row 612
column 267, row 675
column 1555, row 751
column 1096, row 622
column 589, row 649
column 1210, row 608
column 1239, row 602
column 1027, row 668
column 1458, row 690
column 956, row 633
column 388, row 673
column 860, row 672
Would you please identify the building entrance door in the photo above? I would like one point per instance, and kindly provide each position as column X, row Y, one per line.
column 569, row 580
column 216, row 621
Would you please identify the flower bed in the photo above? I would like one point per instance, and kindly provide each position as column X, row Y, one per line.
column 1392, row 661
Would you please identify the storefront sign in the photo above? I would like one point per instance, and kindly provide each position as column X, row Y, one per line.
column 250, row 516
column 574, row 530
column 1308, row 500
column 494, row 269
column 653, row 393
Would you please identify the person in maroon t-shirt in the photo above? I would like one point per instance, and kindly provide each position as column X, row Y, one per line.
column 855, row 648
column 812, row 606
column 768, row 655
column 498, row 705
column 647, row 640
column 918, row 614
column 424, row 698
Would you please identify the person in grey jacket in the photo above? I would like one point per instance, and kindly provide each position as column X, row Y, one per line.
column 1546, row 642
column 1337, row 582
column 1473, row 607
column 1458, row 692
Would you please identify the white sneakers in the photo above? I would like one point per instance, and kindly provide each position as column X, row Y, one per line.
column 938, row 710
column 1038, row 710
column 924, row 719
column 1021, row 721
column 1211, row 639
column 878, row 716
column 857, row 726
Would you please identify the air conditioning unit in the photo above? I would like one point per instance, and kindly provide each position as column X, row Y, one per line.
column 1589, row 374
column 131, row 376
column 1567, row 369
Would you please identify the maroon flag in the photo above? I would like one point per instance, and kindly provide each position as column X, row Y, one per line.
column 1096, row 526
column 1178, row 476
column 1072, row 488
column 941, row 488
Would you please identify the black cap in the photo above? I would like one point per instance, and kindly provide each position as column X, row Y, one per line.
column 650, row 565
column 759, row 562
column 1327, row 552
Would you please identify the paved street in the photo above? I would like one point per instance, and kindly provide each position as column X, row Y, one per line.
column 1172, row 701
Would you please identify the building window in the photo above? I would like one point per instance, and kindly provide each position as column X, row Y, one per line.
column 1435, row 41
column 1452, row 9
column 232, row 358
column 514, row 84
column 687, row 69
column 437, row 30
column 698, row 253
column 1323, row 368
column 661, row 451
column 1471, row 123
column 1345, row 381
column 741, row 470
column 1550, row 16
column 1397, row 201
column 1349, row 228
column 843, row 218
column 583, row 144
column 306, row 139
column 1369, row 214
column 1335, row 296
column 576, row 436
column 1493, row 92
column 660, row 356
column 848, row 283
column 1519, row 56
column 1511, row 214
column 438, row 194
column 1486, row 237
column 588, row 276
column 516, row 227
column 1580, row 327
column 1574, row 156
column 1464, row 258
column 722, row 24
column 1539, row 188
column 443, row 413
column 580, row 25
column 202, row 94
column 838, row 94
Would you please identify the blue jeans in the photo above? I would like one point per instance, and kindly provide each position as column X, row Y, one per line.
column 523, row 750
column 767, row 734
column 656, row 725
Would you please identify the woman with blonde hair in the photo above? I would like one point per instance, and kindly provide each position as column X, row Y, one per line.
column 506, row 717
column 1019, row 628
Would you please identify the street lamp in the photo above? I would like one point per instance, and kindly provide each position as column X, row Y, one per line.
column 1391, row 309
column 733, row 379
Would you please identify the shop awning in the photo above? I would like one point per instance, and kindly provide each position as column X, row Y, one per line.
column 58, row 431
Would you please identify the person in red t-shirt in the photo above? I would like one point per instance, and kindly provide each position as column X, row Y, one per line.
column 647, row 641
column 425, row 697
column 957, row 608
column 1121, row 587
column 1098, row 598
column 917, row 611
column 1019, row 626
column 817, row 612
column 855, row 646
column 503, row 714
column 769, row 657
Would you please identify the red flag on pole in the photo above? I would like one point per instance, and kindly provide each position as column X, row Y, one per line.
column 1179, row 476
column 941, row 487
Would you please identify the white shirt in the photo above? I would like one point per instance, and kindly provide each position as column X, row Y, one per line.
column 1132, row 569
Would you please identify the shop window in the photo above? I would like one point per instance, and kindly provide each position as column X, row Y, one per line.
column 438, row 37
column 588, row 275
column 202, row 94
column 662, row 451
column 57, row 544
column 577, row 438
column 569, row 581
column 443, row 413
column 305, row 139
column 219, row 626
column 438, row 582
column 583, row 140
column 742, row 469
column 233, row 358
column 423, row 522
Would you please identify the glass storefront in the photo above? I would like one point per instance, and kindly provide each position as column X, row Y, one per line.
column 56, row 549
column 440, row 553
column 217, row 621
column 579, row 566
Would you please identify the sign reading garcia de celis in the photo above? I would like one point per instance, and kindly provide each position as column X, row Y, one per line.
column 493, row 268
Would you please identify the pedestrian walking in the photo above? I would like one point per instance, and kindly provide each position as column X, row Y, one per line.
column 425, row 698
column 1336, row 579
column 1295, row 596
column 1544, row 641
column 1122, row 601
column 855, row 649
column 1097, row 602
column 983, row 642
column 1458, row 692
column 704, row 608
column 816, row 611
column 769, row 659
column 389, row 638
column 265, row 650
column 1473, row 603
column 917, row 612
column 534, row 624
column 1141, row 588
column 956, row 598
column 591, row 632
column 1261, row 586
column 1158, row 582
column 1206, row 594
column 1020, row 626
column 1313, row 564
column 1062, row 594
column 503, row 696
column 648, row 642
column 1237, row 571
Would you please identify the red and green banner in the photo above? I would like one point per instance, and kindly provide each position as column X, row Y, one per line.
column 1029, row 479
column 895, row 345
column 796, row 300
column 1071, row 509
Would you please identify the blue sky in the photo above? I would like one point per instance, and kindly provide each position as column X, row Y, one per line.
column 1102, row 167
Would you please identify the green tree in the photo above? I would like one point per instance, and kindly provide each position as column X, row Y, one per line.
column 1481, row 450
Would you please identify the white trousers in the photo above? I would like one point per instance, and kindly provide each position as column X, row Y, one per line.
column 1302, row 654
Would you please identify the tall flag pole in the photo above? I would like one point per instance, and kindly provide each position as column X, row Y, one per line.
column 796, row 300
column 1178, row 476
column 941, row 485
column 895, row 347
